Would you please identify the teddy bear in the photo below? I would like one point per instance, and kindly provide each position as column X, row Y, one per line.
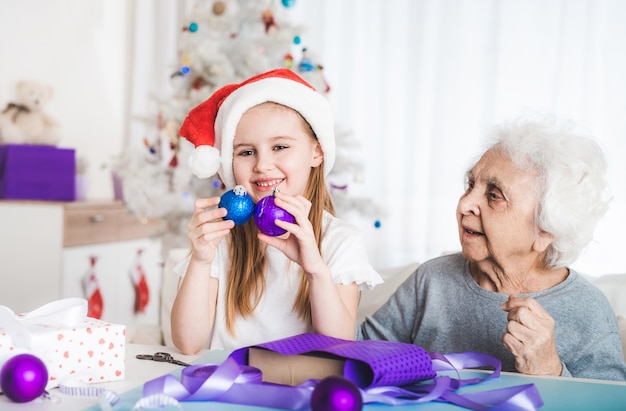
column 24, row 120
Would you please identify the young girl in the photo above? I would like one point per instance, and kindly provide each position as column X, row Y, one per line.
column 242, row 287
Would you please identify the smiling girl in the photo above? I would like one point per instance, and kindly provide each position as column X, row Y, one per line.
column 242, row 287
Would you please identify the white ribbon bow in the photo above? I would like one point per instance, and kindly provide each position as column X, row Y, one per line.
column 67, row 312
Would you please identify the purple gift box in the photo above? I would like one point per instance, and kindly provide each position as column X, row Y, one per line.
column 31, row 172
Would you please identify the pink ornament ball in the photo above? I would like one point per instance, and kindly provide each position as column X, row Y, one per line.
column 23, row 378
column 266, row 212
column 336, row 394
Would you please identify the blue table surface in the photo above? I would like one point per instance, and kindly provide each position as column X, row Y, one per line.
column 557, row 393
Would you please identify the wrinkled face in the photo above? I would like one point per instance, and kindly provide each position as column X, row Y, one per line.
column 495, row 214
column 273, row 148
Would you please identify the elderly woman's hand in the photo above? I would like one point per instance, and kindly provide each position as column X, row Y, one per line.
column 529, row 337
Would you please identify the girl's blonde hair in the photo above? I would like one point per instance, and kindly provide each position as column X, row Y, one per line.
column 246, row 279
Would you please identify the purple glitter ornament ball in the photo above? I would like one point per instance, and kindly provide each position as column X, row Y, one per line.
column 265, row 214
column 23, row 378
column 336, row 394
column 238, row 203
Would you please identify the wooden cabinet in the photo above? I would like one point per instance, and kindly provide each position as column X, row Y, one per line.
column 46, row 247
column 95, row 223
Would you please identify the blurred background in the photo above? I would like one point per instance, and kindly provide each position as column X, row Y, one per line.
column 415, row 84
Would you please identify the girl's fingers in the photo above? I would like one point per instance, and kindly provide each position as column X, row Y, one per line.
column 297, row 206
column 203, row 203
column 205, row 211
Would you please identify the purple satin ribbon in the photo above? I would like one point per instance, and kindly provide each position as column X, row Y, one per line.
column 384, row 382
column 231, row 383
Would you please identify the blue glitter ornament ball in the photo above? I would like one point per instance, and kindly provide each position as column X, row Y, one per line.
column 239, row 205
column 336, row 394
column 288, row 3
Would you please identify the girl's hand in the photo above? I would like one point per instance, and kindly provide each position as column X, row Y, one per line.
column 207, row 228
column 298, row 244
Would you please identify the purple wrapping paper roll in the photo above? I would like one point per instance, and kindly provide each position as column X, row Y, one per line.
column 368, row 363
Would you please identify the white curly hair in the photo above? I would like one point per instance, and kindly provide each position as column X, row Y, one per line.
column 572, row 190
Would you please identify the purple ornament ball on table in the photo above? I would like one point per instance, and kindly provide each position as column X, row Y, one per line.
column 336, row 394
column 238, row 203
column 267, row 212
column 23, row 378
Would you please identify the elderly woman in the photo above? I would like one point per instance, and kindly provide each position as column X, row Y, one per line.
column 530, row 207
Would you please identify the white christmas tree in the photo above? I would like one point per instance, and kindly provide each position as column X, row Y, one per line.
column 223, row 42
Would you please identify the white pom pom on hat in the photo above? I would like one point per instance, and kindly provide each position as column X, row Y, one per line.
column 211, row 125
column 204, row 161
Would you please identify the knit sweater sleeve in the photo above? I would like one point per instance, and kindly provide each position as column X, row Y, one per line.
column 396, row 319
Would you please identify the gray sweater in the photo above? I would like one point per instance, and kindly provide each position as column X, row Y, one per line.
column 441, row 308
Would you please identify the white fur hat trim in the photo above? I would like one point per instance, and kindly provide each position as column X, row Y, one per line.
column 204, row 161
column 313, row 106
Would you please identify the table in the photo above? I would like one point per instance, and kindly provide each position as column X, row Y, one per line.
column 137, row 372
column 558, row 393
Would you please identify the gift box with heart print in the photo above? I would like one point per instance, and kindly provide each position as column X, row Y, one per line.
column 83, row 349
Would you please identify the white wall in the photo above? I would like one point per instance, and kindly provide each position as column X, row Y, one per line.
column 77, row 47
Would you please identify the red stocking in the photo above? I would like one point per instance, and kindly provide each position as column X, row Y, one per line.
column 92, row 291
column 142, row 292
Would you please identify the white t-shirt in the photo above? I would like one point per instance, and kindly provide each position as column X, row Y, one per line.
column 343, row 250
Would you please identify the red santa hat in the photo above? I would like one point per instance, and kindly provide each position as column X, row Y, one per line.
column 211, row 125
